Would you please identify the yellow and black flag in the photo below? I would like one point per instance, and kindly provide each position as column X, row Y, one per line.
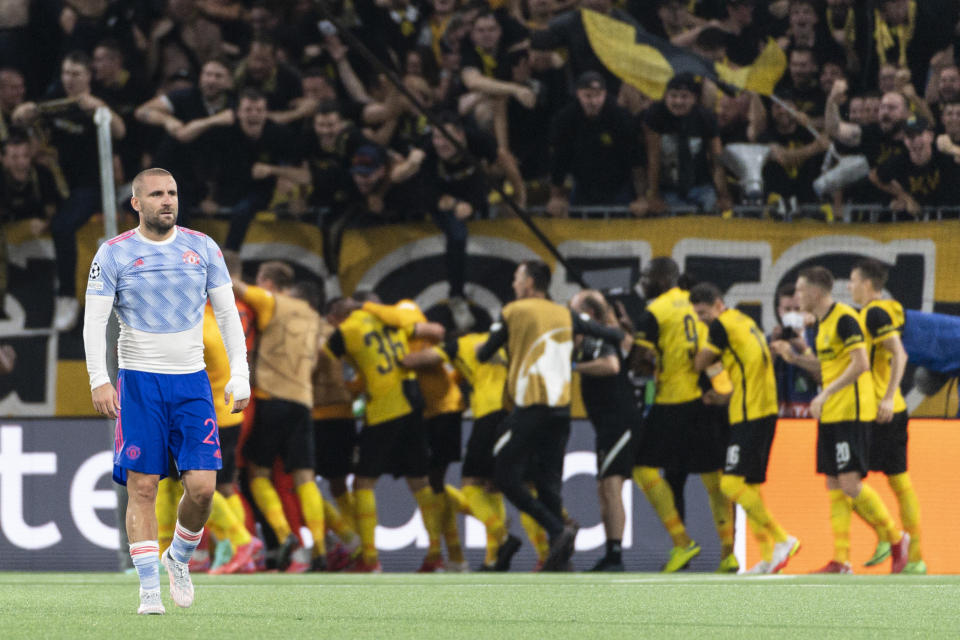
column 647, row 62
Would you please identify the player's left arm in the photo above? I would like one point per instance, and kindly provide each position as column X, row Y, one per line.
column 228, row 320
column 884, row 331
column 220, row 292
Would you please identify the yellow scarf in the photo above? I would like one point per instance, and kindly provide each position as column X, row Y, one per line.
column 884, row 35
column 849, row 25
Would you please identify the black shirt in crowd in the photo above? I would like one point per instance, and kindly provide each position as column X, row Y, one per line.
column 935, row 183
column 237, row 154
column 598, row 152
column 38, row 197
column 681, row 169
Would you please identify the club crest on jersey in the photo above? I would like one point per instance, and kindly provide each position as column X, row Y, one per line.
column 94, row 271
column 191, row 257
column 133, row 452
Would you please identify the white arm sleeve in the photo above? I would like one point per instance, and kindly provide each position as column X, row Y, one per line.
column 228, row 319
column 95, row 316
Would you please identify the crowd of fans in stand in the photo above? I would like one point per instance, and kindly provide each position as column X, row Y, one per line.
column 254, row 105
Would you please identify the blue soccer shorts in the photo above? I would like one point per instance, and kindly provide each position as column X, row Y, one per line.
column 162, row 415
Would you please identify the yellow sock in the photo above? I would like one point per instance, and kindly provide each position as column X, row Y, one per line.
column 168, row 497
column 764, row 539
column 311, row 505
column 722, row 510
column 841, row 511
column 346, row 503
column 268, row 501
column 430, row 511
column 660, row 496
column 336, row 522
column 236, row 505
column 451, row 530
column 537, row 535
column 909, row 511
column 748, row 497
column 365, row 504
column 222, row 516
column 870, row 507
column 459, row 500
column 483, row 509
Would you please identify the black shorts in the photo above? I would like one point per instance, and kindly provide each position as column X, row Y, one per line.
column 336, row 441
column 444, row 438
column 888, row 445
column 229, row 439
column 615, row 442
column 843, row 447
column 281, row 428
column 748, row 451
column 478, row 460
column 398, row 447
column 690, row 437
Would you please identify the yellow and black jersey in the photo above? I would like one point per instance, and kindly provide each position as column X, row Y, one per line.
column 735, row 337
column 838, row 334
column 376, row 349
column 437, row 386
column 670, row 328
column 486, row 379
column 883, row 319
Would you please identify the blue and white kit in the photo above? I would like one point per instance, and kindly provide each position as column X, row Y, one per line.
column 158, row 291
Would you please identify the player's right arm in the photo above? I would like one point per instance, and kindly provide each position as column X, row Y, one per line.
column 101, row 289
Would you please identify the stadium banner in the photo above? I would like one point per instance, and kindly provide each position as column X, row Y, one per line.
column 58, row 504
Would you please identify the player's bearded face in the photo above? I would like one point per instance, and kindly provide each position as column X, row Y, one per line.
column 158, row 203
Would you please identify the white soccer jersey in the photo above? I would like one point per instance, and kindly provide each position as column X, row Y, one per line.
column 159, row 291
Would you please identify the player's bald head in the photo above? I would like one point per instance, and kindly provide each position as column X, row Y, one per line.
column 140, row 178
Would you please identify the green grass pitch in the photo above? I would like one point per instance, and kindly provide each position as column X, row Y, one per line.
column 484, row 606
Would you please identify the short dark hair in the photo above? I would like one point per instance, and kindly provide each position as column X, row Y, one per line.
column 16, row 138
column 252, row 93
column 705, row 293
column 874, row 271
column 819, row 276
column 539, row 272
column 327, row 107
column 79, row 57
column 111, row 44
column 665, row 271
column 787, row 289
column 278, row 272
column 308, row 291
